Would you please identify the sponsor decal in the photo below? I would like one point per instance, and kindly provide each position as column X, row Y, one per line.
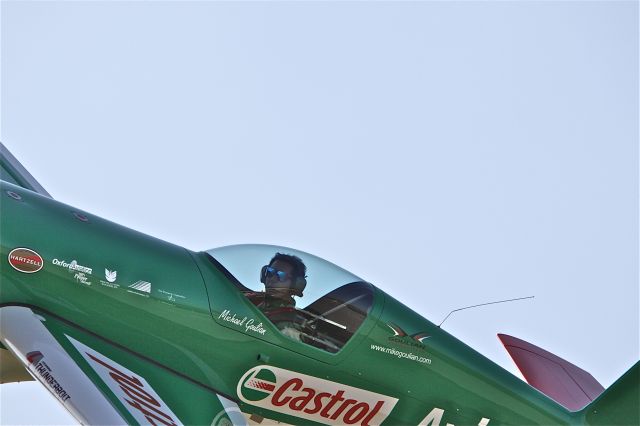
column 110, row 277
column 401, row 354
column 415, row 340
column 141, row 288
column 135, row 393
column 73, row 266
column 25, row 260
column 79, row 272
column 37, row 365
column 435, row 417
column 81, row 277
column 249, row 324
column 412, row 341
column 171, row 297
column 312, row 398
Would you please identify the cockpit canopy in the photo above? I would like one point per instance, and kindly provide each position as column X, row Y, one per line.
column 334, row 304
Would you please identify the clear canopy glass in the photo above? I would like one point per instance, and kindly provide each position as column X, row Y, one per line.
column 334, row 304
column 244, row 262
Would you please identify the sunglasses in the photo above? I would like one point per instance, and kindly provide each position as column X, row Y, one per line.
column 270, row 271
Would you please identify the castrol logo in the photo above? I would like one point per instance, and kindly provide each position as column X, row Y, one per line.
column 313, row 398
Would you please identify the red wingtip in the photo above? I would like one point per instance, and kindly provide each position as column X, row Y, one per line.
column 558, row 379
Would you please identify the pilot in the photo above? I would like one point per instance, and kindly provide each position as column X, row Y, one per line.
column 283, row 278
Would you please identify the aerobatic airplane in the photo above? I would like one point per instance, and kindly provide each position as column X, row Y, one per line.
column 123, row 328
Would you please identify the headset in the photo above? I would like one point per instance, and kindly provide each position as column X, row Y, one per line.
column 297, row 285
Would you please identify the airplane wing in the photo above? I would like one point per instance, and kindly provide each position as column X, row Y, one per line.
column 99, row 382
column 12, row 171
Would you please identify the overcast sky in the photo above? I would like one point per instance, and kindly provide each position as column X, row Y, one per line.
column 452, row 153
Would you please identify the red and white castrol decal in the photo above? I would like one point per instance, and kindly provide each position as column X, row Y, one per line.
column 144, row 404
column 313, row 398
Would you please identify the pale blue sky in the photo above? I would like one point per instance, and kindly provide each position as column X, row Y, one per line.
column 452, row 153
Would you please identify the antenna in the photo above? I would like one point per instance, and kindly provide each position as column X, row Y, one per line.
column 483, row 304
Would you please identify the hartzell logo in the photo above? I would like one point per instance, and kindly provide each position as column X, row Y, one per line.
column 312, row 398
column 25, row 260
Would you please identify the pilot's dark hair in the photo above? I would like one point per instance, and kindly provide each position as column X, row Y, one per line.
column 299, row 268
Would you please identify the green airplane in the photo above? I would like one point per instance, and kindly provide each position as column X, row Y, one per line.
column 123, row 328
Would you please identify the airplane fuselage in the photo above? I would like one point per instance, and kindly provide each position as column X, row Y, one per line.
column 173, row 311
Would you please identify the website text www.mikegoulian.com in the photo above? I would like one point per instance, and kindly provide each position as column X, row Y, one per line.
column 400, row 354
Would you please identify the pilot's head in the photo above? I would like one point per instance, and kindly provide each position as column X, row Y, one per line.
column 285, row 273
